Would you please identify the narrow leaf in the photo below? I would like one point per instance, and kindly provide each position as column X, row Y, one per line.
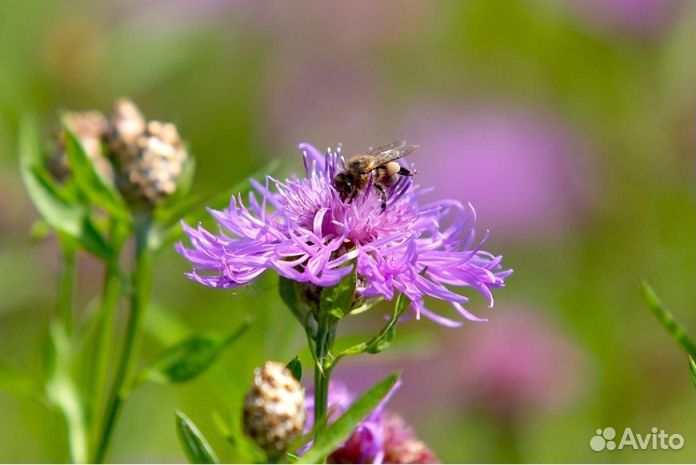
column 44, row 194
column 367, row 305
column 667, row 319
column 90, row 182
column 194, row 444
column 55, row 208
column 385, row 337
column 338, row 300
column 339, row 431
column 190, row 357
column 692, row 369
column 295, row 366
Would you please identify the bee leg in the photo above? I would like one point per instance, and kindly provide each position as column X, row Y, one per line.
column 405, row 172
column 382, row 194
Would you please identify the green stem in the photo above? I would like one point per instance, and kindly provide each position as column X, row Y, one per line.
column 66, row 289
column 142, row 274
column 105, row 334
column 323, row 346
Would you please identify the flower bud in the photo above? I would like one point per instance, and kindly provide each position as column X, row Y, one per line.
column 126, row 125
column 402, row 446
column 150, row 156
column 90, row 128
column 274, row 412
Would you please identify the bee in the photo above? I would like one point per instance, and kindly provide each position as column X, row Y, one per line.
column 381, row 161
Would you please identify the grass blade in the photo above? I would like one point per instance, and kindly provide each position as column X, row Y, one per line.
column 667, row 319
column 196, row 447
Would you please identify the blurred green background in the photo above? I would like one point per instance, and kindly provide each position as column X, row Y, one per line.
column 569, row 125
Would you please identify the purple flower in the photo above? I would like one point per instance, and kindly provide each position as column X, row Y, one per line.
column 304, row 231
column 381, row 437
column 525, row 169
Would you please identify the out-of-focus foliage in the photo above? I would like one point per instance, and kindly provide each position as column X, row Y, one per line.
column 568, row 124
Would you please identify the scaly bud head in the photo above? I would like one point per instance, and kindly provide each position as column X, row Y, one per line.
column 90, row 128
column 274, row 412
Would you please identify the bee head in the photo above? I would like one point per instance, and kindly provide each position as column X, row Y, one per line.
column 344, row 185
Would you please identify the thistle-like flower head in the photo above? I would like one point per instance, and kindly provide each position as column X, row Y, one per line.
column 305, row 231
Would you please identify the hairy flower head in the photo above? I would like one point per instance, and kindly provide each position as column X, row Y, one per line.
column 302, row 229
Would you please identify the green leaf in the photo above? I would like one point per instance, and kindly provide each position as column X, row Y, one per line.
column 386, row 335
column 365, row 306
column 667, row 319
column 189, row 358
column 98, row 191
column 55, row 208
column 193, row 442
column 692, row 369
column 93, row 241
column 339, row 431
column 338, row 300
column 17, row 383
column 62, row 392
column 295, row 366
column 43, row 192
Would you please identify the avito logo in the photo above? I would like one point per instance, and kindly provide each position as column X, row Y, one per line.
column 654, row 440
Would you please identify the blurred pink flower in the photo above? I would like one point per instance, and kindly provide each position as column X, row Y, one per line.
column 523, row 169
column 644, row 18
column 519, row 364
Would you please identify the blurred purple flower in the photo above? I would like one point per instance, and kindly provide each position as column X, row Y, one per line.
column 646, row 18
column 311, row 235
column 380, row 438
column 522, row 364
column 522, row 168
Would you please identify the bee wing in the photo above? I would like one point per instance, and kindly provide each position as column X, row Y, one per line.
column 397, row 144
column 393, row 153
